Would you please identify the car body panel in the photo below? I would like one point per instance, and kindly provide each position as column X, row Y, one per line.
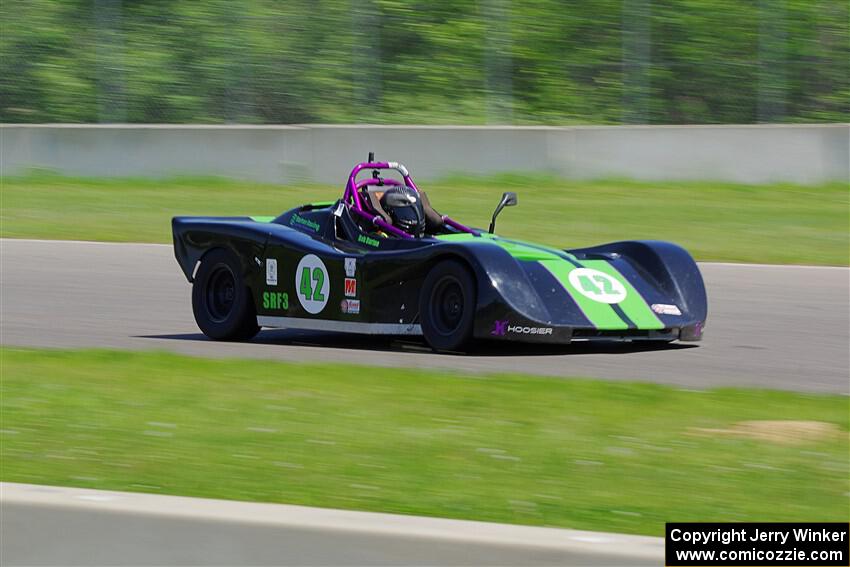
column 361, row 282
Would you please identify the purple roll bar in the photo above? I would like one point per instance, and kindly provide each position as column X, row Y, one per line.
column 373, row 181
column 377, row 220
column 352, row 196
column 463, row 228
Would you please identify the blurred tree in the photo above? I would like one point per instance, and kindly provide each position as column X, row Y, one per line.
column 637, row 39
column 772, row 60
column 417, row 61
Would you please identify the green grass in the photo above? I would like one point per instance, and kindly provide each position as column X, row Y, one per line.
column 577, row 453
column 715, row 221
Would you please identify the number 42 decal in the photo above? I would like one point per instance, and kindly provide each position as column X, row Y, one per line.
column 308, row 277
column 593, row 285
column 312, row 283
column 597, row 285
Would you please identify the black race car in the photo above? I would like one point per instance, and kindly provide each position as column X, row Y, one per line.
column 381, row 260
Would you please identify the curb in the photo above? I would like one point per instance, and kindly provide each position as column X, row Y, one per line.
column 332, row 520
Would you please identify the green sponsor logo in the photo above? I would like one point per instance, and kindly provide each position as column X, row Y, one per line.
column 298, row 219
column 275, row 300
column 368, row 241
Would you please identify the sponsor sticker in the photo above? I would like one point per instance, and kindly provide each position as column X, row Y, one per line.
column 271, row 271
column 312, row 283
column 519, row 329
column 350, row 306
column 297, row 219
column 350, row 267
column 597, row 285
column 665, row 309
column 504, row 327
column 350, row 287
column 275, row 300
column 368, row 241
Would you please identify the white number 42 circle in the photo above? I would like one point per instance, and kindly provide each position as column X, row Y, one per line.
column 597, row 285
column 312, row 283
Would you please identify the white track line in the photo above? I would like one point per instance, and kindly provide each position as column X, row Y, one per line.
column 792, row 266
column 93, row 242
column 301, row 517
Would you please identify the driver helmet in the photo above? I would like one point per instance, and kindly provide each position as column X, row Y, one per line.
column 404, row 206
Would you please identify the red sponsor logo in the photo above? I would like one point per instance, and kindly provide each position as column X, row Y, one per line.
column 350, row 287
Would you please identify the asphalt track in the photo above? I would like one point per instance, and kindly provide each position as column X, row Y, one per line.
column 783, row 327
column 44, row 525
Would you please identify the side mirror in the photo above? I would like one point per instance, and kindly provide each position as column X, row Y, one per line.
column 508, row 200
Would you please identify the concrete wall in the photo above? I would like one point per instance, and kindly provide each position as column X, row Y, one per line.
column 750, row 154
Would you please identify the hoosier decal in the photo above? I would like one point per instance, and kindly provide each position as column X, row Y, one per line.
column 504, row 327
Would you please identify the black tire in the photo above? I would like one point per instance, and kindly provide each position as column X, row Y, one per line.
column 222, row 303
column 447, row 306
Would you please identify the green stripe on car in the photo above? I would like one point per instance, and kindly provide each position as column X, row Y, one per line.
column 633, row 305
column 601, row 315
column 519, row 250
column 559, row 263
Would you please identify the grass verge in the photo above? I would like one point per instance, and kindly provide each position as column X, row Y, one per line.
column 576, row 453
column 715, row 221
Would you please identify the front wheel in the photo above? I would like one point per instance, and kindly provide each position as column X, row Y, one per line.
column 221, row 301
column 447, row 306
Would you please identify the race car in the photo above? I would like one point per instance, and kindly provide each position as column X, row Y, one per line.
column 382, row 260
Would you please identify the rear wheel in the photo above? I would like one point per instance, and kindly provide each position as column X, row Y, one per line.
column 447, row 306
column 221, row 301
